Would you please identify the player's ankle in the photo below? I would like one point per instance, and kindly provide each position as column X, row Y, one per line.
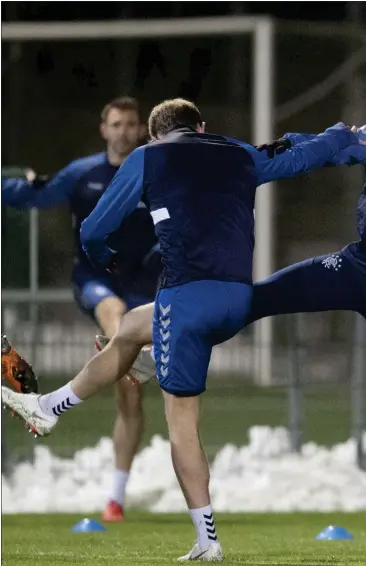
column 120, row 479
column 59, row 401
column 204, row 523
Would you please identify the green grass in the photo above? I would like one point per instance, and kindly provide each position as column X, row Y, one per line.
column 285, row 539
column 230, row 408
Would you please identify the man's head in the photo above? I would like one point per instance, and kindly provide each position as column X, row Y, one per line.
column 121, row 126
column 172, row 113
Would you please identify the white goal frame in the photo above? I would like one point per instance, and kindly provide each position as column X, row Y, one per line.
column 262, row 30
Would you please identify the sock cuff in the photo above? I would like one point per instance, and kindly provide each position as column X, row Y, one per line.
column 204, row 522
column 207, row 510
column 73, row 398
column 121, row 474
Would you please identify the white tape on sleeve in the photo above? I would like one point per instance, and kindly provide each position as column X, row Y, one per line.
column 159, row 215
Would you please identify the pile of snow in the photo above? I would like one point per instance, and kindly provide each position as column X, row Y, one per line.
column 261, row 476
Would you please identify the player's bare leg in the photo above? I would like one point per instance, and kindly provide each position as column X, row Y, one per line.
column 189, row 460
column 139, row 329
column 118, row 356
column 41, row 412
column 129, row 421
column 192, row 471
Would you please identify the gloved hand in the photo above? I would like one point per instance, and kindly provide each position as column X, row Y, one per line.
column 38, row 181
column 360, row 133
column 355, row 154
column 275, row 147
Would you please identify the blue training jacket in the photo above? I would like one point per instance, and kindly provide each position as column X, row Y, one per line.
column 200, row 189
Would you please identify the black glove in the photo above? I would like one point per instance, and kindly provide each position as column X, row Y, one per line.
column 39, row 181
column 275, row 147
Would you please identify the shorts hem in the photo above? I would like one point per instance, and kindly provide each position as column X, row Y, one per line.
column 180, row 393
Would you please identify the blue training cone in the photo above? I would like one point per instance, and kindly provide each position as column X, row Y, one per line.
column 88, row 526
column 334, row 533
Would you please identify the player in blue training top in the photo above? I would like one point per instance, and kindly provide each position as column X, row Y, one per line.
column 200, row 189
column 335, row 281
column 106, row 296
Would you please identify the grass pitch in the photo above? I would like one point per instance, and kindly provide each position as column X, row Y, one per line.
column 260, row 539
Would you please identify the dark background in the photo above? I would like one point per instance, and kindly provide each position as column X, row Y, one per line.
column 52, row 96
column 53, row 93
column 33, row 11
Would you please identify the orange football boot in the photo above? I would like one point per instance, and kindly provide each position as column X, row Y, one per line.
column 15, row 370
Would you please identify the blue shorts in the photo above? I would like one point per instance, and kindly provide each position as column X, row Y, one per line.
column 323, row 283
column 188, row 321
column 90, row 287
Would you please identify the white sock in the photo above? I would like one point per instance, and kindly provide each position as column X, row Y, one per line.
column 59, row 401
column 205, row 525
column 119, row 486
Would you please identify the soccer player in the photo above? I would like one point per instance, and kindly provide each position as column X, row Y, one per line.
column 201, row 190
column 106, row 297
column 335, row 281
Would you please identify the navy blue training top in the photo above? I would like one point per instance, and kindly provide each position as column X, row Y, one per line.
column 200, row 189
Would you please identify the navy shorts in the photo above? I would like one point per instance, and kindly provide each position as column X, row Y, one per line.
column 91, row 287
column 188, row 321
column 323, row 283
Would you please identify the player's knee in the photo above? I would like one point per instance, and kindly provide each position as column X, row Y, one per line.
column 109, row 313
column 136, row 326
column 182, row 415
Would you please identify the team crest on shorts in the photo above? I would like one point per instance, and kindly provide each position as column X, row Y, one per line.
column 333, row 262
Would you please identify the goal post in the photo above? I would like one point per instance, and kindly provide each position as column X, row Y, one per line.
column 263, row 131
column 262, row 31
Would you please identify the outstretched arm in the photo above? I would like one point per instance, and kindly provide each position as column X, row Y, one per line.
column 23, row 194
column 296, row 138
column 276, row 147
column 351, row 155
column 118, row 201
column 305, row 156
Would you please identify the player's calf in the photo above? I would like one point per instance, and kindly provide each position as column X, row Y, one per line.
column 191, row 467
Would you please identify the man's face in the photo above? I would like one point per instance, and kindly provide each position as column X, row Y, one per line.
column 122, row 131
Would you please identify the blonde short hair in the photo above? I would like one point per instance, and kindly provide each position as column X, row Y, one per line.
column 171, row 113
